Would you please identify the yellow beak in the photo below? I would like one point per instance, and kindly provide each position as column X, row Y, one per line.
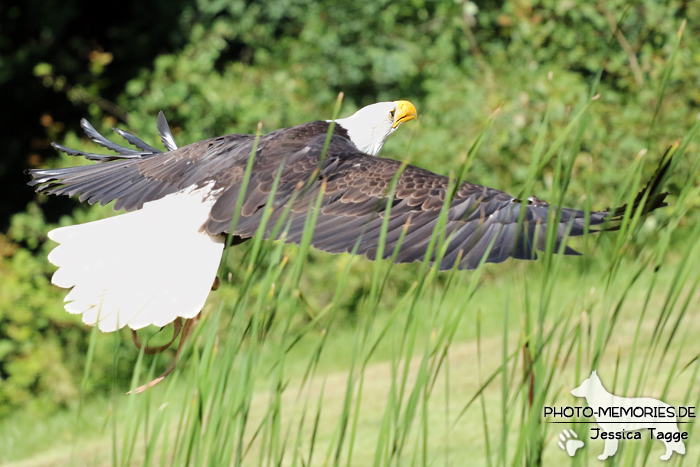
column 405, row 111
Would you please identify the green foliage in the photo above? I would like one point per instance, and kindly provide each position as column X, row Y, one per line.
column 53, row 61
column 283, row 63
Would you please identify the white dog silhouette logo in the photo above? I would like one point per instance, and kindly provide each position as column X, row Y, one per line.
column 616, row 415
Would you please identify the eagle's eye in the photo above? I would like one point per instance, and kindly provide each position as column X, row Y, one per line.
column 391, row 114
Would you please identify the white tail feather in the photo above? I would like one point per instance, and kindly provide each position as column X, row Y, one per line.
column 141, row 268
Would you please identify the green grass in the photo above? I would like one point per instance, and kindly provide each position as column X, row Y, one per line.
column 448, row 433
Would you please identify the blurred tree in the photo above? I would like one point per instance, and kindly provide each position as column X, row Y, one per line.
column 74, row 46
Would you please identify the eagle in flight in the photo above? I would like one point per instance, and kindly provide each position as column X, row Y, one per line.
column 157, row 262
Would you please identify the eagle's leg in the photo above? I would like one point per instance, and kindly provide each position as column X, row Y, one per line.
column 186, row 330
column 148, row 350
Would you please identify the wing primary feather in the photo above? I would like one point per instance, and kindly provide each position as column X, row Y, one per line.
column 165, row 135
column 95, row 136
column 87, row 155
column 136, row 141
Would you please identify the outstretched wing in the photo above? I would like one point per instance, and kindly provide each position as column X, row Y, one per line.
column 354, row 205
column 133, row 178
column 480, row 221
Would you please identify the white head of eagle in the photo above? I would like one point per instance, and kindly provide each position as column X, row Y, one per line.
column 370, row 126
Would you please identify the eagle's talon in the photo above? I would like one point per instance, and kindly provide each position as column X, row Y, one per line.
column 148, row 350
column 186, row 331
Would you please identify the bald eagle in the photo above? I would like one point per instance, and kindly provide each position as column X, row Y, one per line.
column 158, row 261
